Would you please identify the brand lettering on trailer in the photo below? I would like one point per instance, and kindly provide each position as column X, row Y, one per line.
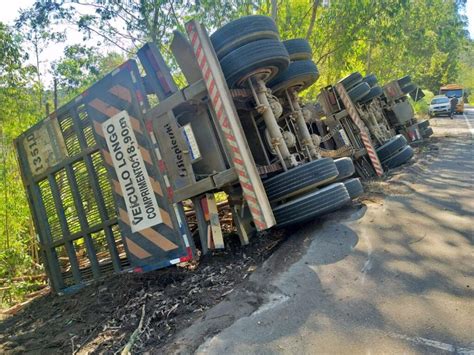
column 177, row 151
column 142, row 207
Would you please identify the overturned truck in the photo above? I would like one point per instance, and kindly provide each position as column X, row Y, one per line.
column 374, row 124
column 107, row 174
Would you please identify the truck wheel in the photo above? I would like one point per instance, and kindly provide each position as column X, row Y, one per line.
column 300, row 75
column 428, row 132
column 408, row 88
column 423, row 125
column 300, row 179
column 345, row 167
column 391, row 147
column 358, row 91
column 268, row 56
column 315, row 204
column 399, row 158
column 244, row 30
column 404, row 81
column 374, row 92
column 351, row 80
column 298, row 49
column 370, row 79
column 354, row 187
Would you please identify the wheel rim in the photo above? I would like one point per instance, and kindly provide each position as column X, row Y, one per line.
column 264, row 74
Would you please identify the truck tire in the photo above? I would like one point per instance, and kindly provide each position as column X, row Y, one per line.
column 268, row 54
column 408, row 88
column 423, row 125
column 345, row 168
column 374, row 92
column 300, row 75
column 300, row 179
column 399, row 158
column 370, row 79
column 354, row 187
column 391, row 147
column 298, row 49
column 312, row 205
column 244, row 30
column 358, row 91
column 351, row 80
column 404, row 81
column 428, row 132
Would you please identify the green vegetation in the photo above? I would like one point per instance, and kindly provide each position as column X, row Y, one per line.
column 421, row 107
column 466, row 69
column 390, row 38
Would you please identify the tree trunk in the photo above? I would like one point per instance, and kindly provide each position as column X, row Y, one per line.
column 274, row 9
column 5, row 181
column 369, row 57
column 38, row 73
column 314, row 12
column 154, row 24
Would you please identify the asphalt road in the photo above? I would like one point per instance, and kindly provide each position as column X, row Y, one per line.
column 392, row 275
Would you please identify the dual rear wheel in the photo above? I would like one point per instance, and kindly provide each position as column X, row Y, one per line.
column 250, row 46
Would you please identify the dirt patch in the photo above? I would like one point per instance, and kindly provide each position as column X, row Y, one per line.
column 100, row 318
column 400, row 181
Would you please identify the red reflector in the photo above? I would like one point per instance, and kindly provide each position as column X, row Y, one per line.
column 139, row 95
column 149, row 126
column 187, row 257
column 170, row 193
column 138, row 269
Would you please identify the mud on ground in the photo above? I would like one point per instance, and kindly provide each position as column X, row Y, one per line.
column 101, row 317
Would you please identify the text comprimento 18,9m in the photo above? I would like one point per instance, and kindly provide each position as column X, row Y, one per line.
column 142, row 207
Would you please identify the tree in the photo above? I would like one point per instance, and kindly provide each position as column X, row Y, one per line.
column 466, row 69
column 80, row 67
column 10, row 55
column 35, row 25
column 18, row 110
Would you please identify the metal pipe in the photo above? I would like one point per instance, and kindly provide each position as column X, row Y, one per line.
column 280, row 157
column 278, row 142
column 257, row 101
column 302, row 131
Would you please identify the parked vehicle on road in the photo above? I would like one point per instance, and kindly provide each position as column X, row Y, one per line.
column 454, row 90
column 440, row 105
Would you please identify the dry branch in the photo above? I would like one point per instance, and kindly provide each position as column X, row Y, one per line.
column 134, row 336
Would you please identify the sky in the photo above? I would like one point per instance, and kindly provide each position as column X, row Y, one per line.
column 10, row 9
column 9, row 13
column 54, row 51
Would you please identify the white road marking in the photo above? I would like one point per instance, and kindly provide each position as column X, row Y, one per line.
column 276, row 300
column 469, row 125
column 368, row 263
column 433, row 343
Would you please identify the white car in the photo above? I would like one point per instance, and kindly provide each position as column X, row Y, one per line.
column 440, row 105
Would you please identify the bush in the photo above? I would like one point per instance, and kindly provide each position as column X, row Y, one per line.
column 421, row 107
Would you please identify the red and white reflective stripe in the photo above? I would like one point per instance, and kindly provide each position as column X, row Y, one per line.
column 364, row 135
column 223, row 119
column 180, row 222
column 175, row 206
column 161, row 164
column 189, row 255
